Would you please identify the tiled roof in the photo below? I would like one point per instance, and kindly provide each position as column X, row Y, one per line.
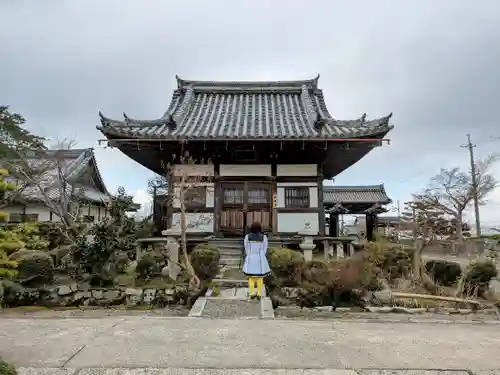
column 251, row 110
column 72, row 163
column 355, row 194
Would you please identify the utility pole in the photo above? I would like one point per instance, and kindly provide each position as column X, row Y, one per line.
column 470, row 146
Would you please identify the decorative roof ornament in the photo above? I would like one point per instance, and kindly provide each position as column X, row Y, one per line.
column 171, row 122
column 337, row 209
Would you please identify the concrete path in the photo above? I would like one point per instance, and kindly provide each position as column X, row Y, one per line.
column 192, row 343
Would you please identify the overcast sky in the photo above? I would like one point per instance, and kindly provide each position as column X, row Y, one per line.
column 434, row 63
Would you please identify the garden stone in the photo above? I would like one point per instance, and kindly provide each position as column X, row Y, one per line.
column 64, row 290
column 112, row 295
column 375, row 309
column 148, row 295
column 97, row 294
column 133, row 292
column 383, row 296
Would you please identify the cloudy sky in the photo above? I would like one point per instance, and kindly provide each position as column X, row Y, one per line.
column 434, row 63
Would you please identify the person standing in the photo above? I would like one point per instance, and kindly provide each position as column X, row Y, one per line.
column 255, row 266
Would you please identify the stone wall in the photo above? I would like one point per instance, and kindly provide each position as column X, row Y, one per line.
column 80, row 295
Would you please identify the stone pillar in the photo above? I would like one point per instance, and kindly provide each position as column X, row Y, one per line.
column 173, row 258
column 369, row 227
column 340, row 250
column 307, row 245
column 326, row 250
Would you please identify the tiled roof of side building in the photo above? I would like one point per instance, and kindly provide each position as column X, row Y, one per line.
column 355, row 194
column 251, row 110
column 73, row 163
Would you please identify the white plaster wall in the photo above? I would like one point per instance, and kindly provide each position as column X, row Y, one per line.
column 297, row 170
column 197, row 222
column 44, row 213
column 280, row 193
column 210, row 194
column 291, row 222
column 194, row 169
column 245, row 170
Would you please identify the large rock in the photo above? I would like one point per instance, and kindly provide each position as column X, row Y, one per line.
column 383, row 296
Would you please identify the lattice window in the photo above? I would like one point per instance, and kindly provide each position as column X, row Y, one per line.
column 258, row 196
column 233, row 196
column 15, row 218
column 21, row 218
column 297, row 197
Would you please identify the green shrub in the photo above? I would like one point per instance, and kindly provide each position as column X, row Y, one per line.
column 8, row 268
column 286, row 265
column 10, row 241
column 121, row 262
column 479, row 275
column 146, row 267
column 35, row 267
column 52, row 234
column 392, row 260
column 7, row 368
column 205, row 261
column 444, row 272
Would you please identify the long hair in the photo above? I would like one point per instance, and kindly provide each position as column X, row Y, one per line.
column 255, row 227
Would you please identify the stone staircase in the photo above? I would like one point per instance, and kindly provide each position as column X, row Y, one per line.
column 230, row 249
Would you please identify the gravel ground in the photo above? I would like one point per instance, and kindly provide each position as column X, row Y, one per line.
column 231, row 309
column 31, row 312
column 294, row 312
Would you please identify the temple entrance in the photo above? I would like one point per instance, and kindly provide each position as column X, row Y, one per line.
column 243, row 203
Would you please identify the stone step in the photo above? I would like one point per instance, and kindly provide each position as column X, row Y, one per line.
column 231, row 252
column 232, row 303
column 226, row 261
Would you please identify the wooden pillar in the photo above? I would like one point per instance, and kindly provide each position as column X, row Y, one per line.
column 217, row 200
column 369, row 227
column 274, row 199
column 321, row 205
column 333, row 223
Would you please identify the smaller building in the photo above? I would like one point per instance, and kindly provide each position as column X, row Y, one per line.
column 84, row 184
column 368, row 200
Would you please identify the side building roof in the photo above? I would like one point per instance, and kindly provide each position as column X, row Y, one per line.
column 213, row 110
column 73, row 163
column 352, row 195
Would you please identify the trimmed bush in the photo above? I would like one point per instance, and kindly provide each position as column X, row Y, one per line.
column 205, row 261
column 35, row 267
column 286, row 265
column 392, row 260
column 479, row 275
column 146, row 267
column 444, row 272
column 7, row 368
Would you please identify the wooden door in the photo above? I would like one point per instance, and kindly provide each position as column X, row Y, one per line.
column 232, row 217
column 258, row 205
column 242, row 204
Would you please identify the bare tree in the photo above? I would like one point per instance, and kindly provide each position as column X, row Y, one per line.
column 185, row 192
column 43, row 175
column 451, row 191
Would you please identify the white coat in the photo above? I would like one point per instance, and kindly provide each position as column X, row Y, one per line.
column 255, row 255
